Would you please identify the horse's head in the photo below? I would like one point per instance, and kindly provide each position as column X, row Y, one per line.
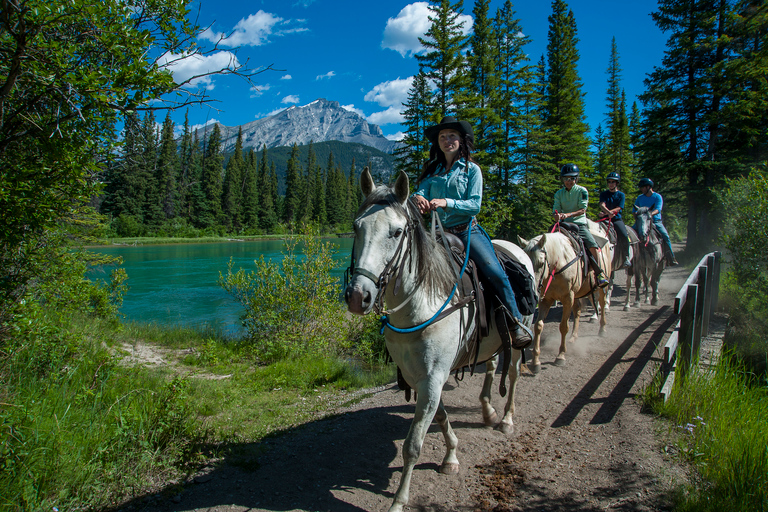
column 382, row 224
column 643, row 221
column 537, row 251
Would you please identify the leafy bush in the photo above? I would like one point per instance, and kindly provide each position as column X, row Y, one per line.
column 292, row 308
column 745, row 236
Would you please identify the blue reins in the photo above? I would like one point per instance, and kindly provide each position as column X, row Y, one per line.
column 385, row 320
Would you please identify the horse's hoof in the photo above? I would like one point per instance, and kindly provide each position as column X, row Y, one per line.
column 627, row 308
column 506, row 428
column 638, row 304
column 491, row 419
column 560, row 361
column 601, row 332
column 535, row 368
column 449, row 468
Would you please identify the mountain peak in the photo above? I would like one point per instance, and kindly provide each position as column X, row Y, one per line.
column 319, row 121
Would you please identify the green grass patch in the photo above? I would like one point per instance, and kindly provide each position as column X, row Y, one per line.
column 721, row 424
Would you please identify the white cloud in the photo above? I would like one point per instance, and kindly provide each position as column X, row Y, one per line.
column 396, row 136
column 391, row 93
column 286, row 77
column 352, row 108
column 403, row 31
column 258, row 90
column 184, row 68
column 292, row 98
column 254, row 30
column 390, row 116
column 329, row 74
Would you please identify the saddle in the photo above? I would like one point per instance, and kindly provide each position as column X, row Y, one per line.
column 571, row 232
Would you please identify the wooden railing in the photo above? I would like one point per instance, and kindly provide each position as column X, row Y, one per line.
column 695, row 303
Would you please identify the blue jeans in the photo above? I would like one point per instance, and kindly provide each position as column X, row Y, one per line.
column 662, row 231
column 482, row 253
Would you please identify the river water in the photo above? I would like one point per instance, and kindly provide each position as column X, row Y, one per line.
column 177, row 284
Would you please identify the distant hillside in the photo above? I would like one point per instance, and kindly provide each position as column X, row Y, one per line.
column 382, row 164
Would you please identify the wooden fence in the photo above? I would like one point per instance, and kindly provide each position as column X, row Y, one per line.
column 695, row 303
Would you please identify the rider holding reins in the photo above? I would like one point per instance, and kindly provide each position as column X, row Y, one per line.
column 452, row 184
column 611, row 205
column 655, row 203
column 571, row 203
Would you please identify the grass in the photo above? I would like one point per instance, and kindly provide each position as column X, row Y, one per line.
column 721, row 423
column 93, row 430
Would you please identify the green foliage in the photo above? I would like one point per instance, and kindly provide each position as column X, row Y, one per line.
column 745, row 236
column 721, row 431
column 292, row 308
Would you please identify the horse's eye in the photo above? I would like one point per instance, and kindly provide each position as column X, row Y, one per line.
column 398, row 232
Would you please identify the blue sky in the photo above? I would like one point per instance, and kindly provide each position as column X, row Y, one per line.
column 361, row 54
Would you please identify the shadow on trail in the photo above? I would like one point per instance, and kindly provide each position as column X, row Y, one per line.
column 298, row 470
column 611, row 404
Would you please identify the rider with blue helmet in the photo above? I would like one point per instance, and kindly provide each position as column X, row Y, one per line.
column 655, row 203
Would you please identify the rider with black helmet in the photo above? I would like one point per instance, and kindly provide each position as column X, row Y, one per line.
column 655, row 203
column 611, row 206
column 571, row 203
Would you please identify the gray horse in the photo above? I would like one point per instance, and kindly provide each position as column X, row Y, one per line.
column 648, row 262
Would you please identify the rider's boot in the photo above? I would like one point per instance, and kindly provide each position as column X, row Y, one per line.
column 602, row 280
column 521, row 335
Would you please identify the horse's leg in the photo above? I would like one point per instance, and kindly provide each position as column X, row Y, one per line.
column 490, row 418
column 506, row 425
column 450, row 465
column 628, row 289
column 594, row 309
column 577, row 319
column 568, row 306
column 426, row 407
column 544, row 306
column 638, row 284
column 655, row 284
column 602, row 297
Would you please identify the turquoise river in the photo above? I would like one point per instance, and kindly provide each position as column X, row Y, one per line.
column 177, row 284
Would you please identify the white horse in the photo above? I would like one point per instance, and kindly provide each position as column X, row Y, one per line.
column 390, row 241
column 648, row 263
column 559, row 272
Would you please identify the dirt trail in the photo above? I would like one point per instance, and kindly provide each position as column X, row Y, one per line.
column 581, row 441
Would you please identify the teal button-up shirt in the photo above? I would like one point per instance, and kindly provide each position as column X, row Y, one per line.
column 568, row 201
column 462, row 189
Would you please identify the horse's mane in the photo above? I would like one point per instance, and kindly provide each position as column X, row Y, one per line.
column 555, row 247
column 433, row 268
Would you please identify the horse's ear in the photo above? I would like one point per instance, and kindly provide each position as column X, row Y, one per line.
column 543, row 241
column 366, row 182
column 522, row 241
column 402, row 188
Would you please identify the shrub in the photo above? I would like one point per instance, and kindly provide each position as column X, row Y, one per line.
column 292, row 308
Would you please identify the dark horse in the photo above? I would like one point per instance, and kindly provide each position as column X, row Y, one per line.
column 648, row 262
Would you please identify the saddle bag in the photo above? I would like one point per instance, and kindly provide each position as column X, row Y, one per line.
column 521, row 282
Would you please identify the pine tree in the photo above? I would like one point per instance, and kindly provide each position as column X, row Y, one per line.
column 417, row 117
column 166, row 175
column 251, row 192
column 211, row 180
column 153, row 213
column 443, row 63
column 268, row 212
column 635, row 139
column 476, row 101
column 307, row 207
column 123, row 194
column 320, row 214
column 564, row 103
column 184, row 179
column 617, row 136
column 353, row 193
column 232, row 193
column 293, row 187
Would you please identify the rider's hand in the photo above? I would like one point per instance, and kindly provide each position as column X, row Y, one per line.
column 438, row 203
column 422, row 204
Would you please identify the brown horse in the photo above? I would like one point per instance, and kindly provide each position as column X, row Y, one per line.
column 559, row 271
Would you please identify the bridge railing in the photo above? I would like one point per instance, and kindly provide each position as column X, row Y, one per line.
column 695, row 303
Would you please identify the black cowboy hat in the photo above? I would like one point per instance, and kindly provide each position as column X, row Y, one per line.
column 450, row 123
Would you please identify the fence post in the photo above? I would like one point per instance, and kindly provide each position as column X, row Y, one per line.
column 707, row 311
column 687, row 328
column 716, row 281
column 701, row 297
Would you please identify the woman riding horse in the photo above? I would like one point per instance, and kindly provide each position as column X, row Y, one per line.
column 452, row 184
column 611, row 205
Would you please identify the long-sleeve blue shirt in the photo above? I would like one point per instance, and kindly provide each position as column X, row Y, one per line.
column 654, row 202
column 462, row 189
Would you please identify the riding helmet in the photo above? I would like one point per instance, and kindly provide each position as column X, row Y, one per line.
column 645, row 182
column 450, row 123
column 569, row 170
column 613, row 176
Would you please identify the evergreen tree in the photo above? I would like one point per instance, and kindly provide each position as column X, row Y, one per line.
column 166, row 175
column 307, row 207
column 153, row 214
column 476, row 101
column 443, row 63
column 617, row 136
column 277, row 199
column 232, row 190
column 564, row 103
column 320, row 214
column 184, row 179
column 417, row 117
column 197, row 202
column 268, row 213
column 211, row 180
column 635, row 139
column 293, row 187
column 251, row 192
column 353, row 194
column 123, row 191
